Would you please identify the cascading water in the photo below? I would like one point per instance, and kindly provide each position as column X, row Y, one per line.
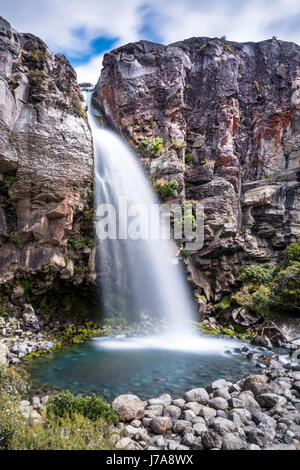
column 139, row 277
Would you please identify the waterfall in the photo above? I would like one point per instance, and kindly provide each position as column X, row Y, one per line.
column 140, row 278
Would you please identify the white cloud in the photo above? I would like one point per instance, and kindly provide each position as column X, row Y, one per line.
column 57, row 22
column 69, row 26
column 90, row 71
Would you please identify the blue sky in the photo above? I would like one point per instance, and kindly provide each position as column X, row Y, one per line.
column 85, row 30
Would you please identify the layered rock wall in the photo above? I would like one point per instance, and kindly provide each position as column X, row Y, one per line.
column 229, row 115
column 46, row 165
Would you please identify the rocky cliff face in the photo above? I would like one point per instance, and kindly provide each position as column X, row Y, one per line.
column 229, row 116
column 46, row 168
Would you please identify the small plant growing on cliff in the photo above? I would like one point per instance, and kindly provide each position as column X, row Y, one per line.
column 13, row 238
column 157, row 146
column 144, row 143
column 78, row 243
column 169, row 189
column 189, row 158
column 39, row 56
column 187, row 220
column 178, row 144
column 9, row 180
column 4, row 312
column 36, row 77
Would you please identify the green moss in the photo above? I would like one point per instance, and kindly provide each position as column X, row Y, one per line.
column 225, row 303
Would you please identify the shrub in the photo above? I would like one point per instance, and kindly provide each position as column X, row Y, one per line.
column 157, row 146
column 4, row 312
column 93, row 407
column 189, row 158
column 293, row 252
column 144, row 144
column 169, row 189
column 78, row 243
column 178, row 144
column 9, row 180
column 11, row 421
column 261, row 301
column 13, row 382
column 287, row 288
column 258, row 274
column 65, row 433
column 39, row 56
column 187, row 220
column 35, row 77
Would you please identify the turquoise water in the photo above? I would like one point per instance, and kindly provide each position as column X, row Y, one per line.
column 113, row 367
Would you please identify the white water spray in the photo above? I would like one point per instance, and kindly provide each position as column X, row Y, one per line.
column 138, row 277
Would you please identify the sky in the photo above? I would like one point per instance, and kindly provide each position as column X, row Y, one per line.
column 84, row 30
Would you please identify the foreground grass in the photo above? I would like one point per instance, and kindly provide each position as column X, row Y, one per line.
column 69, row 423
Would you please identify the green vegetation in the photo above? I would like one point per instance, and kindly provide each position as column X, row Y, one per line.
column 70, row 422
column 39, row 55
column 187, row 220
column 189, row 158
column 258, row 274
column 77, row 107
column 9, row 180
column 144, row 144
column 92, row 407
column 77, row 336
column 269, row 290
column 81, row 242
column 36, row 77
column 4, row 312
column 13, row 238
column 178, row 144
column 156, row 145
column 169, row 189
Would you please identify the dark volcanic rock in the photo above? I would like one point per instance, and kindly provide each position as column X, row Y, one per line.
column 236, row 107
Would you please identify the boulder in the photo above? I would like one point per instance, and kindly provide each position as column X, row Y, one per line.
column 218, row 403
column 233, row 442
column 30, row 320
column 129, row 407
column 199, row 395
column 161, row 424
column 254, row 383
